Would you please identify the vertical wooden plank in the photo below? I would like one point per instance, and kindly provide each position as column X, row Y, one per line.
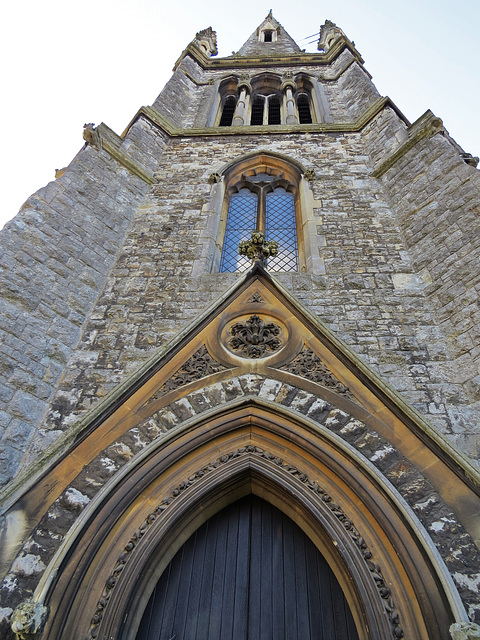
column 206, row 588
column 215, row 621
column 257, row 571
column 226, row 610
column 200, row 565
column 289, row 583
column 181, row 604
column 265, row 621
column 276, row 586
column 315, row 604
column 243, row 562
column 301, row 585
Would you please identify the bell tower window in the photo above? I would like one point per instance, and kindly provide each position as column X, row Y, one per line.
column 228, row 110
column 303, row 106
column 258, row 105
column 268, row 36
column 274, row 116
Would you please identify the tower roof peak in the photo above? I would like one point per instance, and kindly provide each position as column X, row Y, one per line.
column 269, row 39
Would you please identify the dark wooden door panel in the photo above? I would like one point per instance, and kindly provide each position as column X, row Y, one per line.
column 249, row 573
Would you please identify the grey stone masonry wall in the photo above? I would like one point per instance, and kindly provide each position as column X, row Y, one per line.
column 436, row 197
column 370, row 294
column 178, row 99
column 357, row 90
column 54, row 258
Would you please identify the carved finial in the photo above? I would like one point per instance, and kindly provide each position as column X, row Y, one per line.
column 28, row 619
column 257, row 249
column 206, row 40
column 465, row 631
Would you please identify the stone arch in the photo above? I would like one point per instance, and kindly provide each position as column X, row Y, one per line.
column 201, row 467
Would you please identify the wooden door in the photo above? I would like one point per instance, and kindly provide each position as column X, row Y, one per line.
column 249, row 573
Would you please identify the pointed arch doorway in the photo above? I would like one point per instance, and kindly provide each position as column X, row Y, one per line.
column 248, row 573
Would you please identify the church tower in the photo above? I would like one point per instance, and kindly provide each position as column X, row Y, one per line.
column 240, row 386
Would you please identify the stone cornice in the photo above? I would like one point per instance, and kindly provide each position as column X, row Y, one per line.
column 155, row 118
column 425, row 127
column 291, row 60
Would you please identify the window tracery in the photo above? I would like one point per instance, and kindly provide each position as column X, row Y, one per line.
column 261, row 200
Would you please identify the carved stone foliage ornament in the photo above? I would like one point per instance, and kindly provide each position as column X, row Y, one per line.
column 28, row 619
column 214, row 178
column 251, row 450
column 465, row 631
column 257, row 249
column 308, row 365
column 254, row 338
column 201, row 364
column 256, row 297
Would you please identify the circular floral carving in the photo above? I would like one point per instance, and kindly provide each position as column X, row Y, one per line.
column 255, row 338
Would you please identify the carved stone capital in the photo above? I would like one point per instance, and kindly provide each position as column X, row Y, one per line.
column 214, row 178
column 257, row 249
column 465, row 631
column 28, row 619
column 288, row 83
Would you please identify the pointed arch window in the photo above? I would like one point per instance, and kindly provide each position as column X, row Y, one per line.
column 266, row 203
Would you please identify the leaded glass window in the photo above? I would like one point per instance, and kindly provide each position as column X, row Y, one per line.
column 270, row 209
column 281, row 226
column 242, row 219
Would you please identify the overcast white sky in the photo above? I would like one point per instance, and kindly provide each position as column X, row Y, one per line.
column 68, row 63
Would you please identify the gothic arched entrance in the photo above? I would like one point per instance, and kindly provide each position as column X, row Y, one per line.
column 249, row 572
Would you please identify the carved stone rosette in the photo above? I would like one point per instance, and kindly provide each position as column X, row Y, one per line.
column 254, row 338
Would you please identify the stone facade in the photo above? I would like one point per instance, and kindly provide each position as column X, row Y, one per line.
column 109, row 263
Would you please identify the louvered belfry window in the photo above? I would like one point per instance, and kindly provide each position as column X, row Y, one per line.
column 303, row 105
column 261, row 203
column 228, row 111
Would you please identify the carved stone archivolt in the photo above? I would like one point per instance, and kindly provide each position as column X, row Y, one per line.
column 254, row 338
column 201, row 364
column 250, row 450
column 308, row 365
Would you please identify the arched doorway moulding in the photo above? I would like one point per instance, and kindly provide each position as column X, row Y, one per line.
column 126, row 504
